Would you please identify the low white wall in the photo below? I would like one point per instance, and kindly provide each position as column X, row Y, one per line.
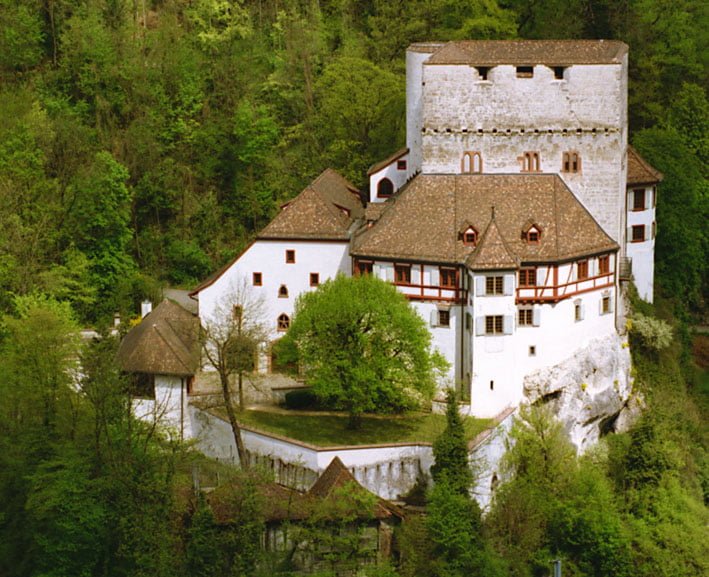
column 389, row 471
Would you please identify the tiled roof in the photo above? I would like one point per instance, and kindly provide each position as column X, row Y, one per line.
column 492, row 252
column 423, row 221
column 530, row 52
column 166, row 342
column 324, row 210
column 639, row 171
column 387, row 161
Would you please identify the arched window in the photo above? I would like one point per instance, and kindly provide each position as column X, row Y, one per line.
column 283, row 292
column 571, row 162
column 283, row 322
column 385, row 188
column 472, row 163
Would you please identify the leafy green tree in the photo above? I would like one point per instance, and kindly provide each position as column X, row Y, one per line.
column 356, row 126
column 363, row 347
column 20, row 35
column 450, row 451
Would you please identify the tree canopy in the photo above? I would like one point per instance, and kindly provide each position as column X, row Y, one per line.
column 363, row 347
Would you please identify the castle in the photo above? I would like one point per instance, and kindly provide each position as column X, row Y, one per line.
column 511, row 220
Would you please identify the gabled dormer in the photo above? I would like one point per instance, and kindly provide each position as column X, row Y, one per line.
column 468, row 234
column 532, row 232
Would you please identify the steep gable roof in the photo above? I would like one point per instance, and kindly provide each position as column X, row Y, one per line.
column 639, row 171
column 492, row 251
column 336, row 476
column 529, row 52
column 166, row 342
column 324, row 210
column 422, row 222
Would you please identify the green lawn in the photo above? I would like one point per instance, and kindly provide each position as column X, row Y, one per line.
column 328, row 430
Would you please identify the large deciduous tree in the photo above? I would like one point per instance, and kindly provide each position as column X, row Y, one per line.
column 363, row 347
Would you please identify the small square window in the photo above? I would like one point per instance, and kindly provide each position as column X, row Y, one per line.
column 604, row 264
column 402, row 274
column 494, row 285
column 444, row 318
column 638, row 199
column 525, row 71
column 314, row 279
column 559, row 72
column 257, row 279
column 638, row 233
column 290, row 256
column 364, row 267
column 493, row 325
column 401, row 165
column 582, row 269
column 448, row 277
column 605, row 305
column 483, row 72
column 578, row 312
column 528, row 277
column 283, row 292
column 525, row 317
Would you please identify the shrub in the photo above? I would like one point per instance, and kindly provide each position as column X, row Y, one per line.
column 653, row 334
column 301, row 399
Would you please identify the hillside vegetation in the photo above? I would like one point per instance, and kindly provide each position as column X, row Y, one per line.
column 145, row 142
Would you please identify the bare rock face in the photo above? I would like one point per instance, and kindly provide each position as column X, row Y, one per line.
column 590, row 392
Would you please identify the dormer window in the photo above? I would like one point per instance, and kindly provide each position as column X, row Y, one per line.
column 385, row 188
column 532, row 234
column 469, row 236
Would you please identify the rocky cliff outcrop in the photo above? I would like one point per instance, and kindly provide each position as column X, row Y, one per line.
column 591, row 392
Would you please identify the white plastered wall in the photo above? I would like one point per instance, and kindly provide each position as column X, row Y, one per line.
column 642, row 253
column 396, row 175
column 269, row 258
column 506, row 359
column 169, row 408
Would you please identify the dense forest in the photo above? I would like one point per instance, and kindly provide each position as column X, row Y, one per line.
column 143, row 143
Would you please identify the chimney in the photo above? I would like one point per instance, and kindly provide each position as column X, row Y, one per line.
column 145, row 307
